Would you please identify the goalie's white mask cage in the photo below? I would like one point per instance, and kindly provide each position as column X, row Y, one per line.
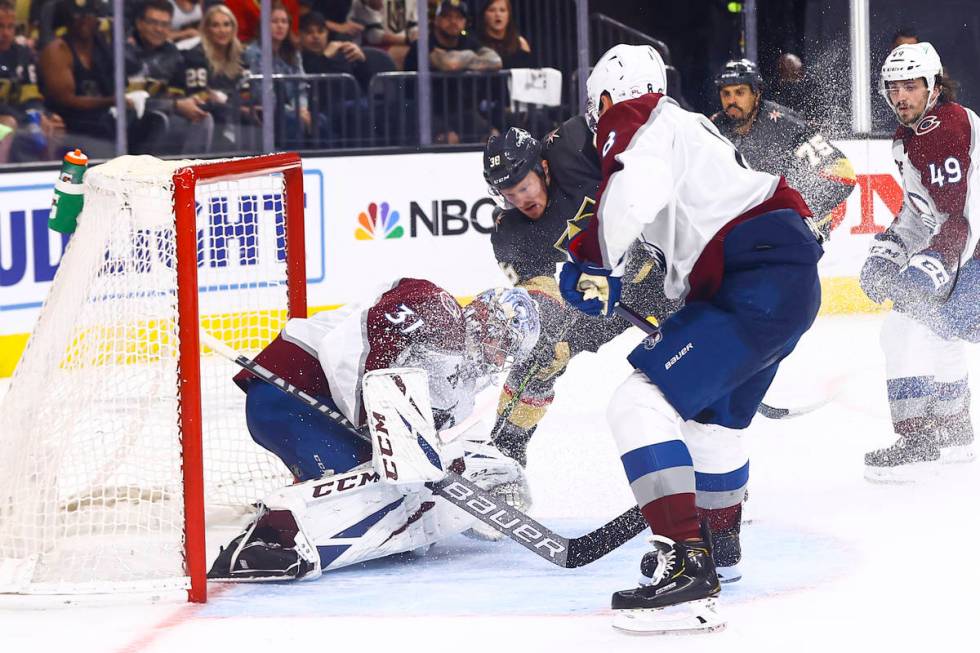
column 103, row 476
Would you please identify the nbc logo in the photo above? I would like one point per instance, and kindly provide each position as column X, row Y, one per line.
column 375, row 227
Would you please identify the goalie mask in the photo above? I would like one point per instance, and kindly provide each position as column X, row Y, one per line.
column 624, row 72
column 502, row 327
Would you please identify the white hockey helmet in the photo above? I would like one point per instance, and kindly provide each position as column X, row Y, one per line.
column 502, row 327
column 911, row 61
column 625, row 71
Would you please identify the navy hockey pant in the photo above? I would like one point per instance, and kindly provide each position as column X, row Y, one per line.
column 308, row 442
column 715, row 359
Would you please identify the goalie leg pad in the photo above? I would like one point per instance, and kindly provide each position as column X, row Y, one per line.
column 353, row 517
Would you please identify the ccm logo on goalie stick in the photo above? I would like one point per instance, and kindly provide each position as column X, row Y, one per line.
column 384, row 447
column 344, row 483
column 504, row 518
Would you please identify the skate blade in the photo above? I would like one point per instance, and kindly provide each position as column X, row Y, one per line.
column 902, row 474
column 730, row 574
column 962, row 453
column 690, row 618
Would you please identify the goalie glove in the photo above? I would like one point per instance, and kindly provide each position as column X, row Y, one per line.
column 592, row 290
column 880, row 271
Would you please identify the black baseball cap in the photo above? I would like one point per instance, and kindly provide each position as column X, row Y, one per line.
column 449, row 5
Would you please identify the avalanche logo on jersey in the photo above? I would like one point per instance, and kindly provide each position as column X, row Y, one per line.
column 377, row 227
column 926, row 125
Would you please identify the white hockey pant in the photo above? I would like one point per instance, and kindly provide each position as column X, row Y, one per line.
column 926, row 374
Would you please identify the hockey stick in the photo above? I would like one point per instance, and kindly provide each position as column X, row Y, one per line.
column 526, row 531
column 764, row 409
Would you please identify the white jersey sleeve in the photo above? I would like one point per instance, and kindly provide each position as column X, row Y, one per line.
column 671, row 180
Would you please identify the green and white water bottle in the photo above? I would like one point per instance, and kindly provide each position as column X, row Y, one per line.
column 68, row 193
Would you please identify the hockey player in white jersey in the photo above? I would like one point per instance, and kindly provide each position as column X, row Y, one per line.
column 927, row 263
column 341, row 510
column 738, row 247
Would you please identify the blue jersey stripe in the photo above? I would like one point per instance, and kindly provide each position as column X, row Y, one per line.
column 655, row 457
column 726, row 482
column 910, row 387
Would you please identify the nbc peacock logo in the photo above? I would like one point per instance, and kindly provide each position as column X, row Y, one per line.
column 375, row 226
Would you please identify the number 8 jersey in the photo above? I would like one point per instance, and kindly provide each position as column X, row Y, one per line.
column 941, row 211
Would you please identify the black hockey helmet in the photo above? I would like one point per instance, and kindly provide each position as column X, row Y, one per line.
column 509, row 158
column 740, row 71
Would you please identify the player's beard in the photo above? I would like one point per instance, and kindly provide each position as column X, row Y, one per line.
column 740, row 118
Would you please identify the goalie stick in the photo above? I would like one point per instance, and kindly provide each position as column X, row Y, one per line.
column 526, row 531
column 764, row 409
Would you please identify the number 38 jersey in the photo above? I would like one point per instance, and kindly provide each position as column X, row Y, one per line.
column 940, row 171
column 412, row 323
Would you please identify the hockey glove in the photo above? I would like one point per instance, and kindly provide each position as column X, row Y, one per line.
column 880, row 271
column 592, row 290
column 924, row 279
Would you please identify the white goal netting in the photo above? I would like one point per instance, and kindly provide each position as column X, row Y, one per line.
column 90, row 430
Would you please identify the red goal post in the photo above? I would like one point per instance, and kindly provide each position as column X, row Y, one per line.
column 185, row 185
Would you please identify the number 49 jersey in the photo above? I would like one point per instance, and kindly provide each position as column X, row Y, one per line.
column 412, row 323
column 940, row 171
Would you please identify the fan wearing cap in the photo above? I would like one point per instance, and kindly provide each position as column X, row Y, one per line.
column 75, row 75
column 927, row 263
column 451, row 48
column 774, row 139
column 546, row 193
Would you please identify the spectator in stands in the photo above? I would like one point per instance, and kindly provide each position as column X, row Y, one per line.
column 216, row 75
column 904, row 36
column 76, row 74
column 186, row 22
column 320, row 54
column 332, row 103
column 390, row 25
column 31, row 133
column 790, row 89
column 497, row 29
column 249, row 17
column 292, row 103
column 173, row 123
column 451, row 49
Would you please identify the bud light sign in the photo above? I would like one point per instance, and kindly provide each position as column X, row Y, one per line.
column 241, row 241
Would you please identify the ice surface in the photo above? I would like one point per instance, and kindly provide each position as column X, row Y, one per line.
column 830, row 560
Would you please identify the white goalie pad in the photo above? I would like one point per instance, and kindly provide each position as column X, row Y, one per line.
column 353, row 516
column 403, row 435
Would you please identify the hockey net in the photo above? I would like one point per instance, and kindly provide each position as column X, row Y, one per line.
column 102, row 484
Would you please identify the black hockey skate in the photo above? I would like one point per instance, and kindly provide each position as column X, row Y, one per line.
column 677, row 591
column 912, row 457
